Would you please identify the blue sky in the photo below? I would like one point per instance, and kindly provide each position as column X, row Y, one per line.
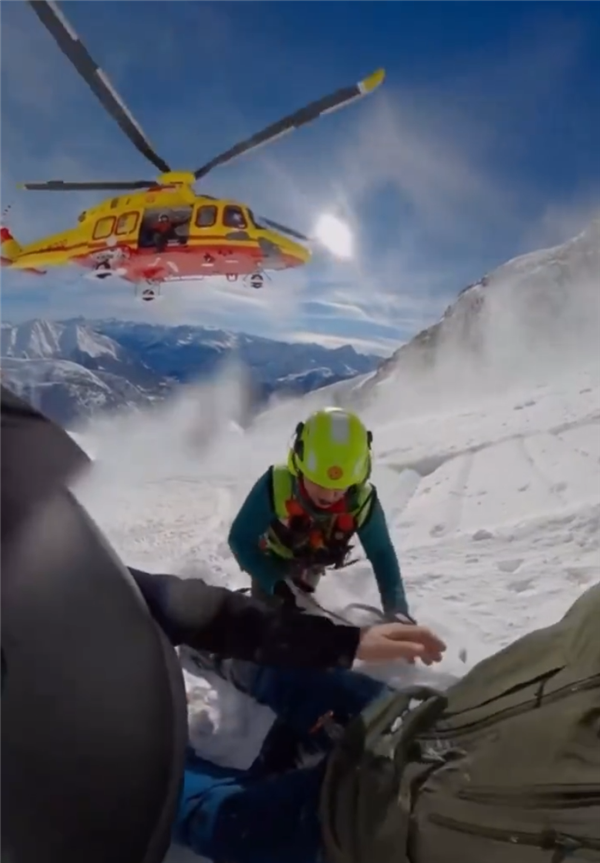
column 481, row 144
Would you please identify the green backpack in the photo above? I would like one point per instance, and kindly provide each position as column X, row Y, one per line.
column 502, row 768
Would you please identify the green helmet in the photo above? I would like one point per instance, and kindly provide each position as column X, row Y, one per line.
column 332, row 449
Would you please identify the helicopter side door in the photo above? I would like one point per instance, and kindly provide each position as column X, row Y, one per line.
column 117, row 234
column 165, row 227
column 221, row 234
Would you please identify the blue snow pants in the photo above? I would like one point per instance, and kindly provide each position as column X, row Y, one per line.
column 233, row 816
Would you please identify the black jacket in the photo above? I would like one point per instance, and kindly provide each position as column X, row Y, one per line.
column 232, row 624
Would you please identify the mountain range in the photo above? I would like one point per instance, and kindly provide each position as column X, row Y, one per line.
column 538, row 308
column 73, row 368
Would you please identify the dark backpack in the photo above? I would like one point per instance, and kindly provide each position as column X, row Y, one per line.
column 502, row 768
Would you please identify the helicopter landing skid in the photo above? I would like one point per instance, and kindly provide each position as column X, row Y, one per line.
column 148, row 291
column 256, row 280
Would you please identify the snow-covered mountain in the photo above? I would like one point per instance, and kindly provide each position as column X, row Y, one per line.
column 77, row 342
column 538, row 310
column 137, row 363
column 72, row 371
column 38, row 339
column 181, row 352
column 536, row 314
column 68, row 392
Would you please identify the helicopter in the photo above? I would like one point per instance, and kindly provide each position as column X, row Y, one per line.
column 160, row 230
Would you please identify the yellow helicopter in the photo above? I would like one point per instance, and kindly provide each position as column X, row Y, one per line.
column 160, row 230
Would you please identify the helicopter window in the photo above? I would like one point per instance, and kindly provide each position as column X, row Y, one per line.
column 104, row 228
column 253, row 220
column 206, row 217
column 127, row 223
column 233, row 217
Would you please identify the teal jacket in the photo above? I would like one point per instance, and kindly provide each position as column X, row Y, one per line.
column 256, row 515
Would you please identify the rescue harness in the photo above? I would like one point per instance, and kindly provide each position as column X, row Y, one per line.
column 310, row 537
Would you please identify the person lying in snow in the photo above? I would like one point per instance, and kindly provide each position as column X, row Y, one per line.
column 87, row 644
column 270, row 812
column 300, row 517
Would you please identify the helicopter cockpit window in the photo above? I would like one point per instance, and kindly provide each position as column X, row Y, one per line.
column 253, row 220
column 233, row 217
column 127, row 223
column 206, row 217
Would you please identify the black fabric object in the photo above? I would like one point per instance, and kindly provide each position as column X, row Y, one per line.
column 206, row 617
column 94, row 722
column 37, row 458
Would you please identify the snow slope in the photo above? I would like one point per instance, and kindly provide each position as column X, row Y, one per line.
column 492, row 493
column 527, row 319
column 495, row 510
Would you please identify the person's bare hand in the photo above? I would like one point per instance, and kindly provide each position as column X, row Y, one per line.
column 391, row 641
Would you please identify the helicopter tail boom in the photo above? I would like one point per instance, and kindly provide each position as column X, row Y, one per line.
column 10, row 251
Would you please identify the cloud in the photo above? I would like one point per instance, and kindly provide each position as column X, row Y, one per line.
column 336, row 309
column 567, row 219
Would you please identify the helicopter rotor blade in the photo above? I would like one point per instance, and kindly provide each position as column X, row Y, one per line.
column 62, row 186
column 325, row 105
column 73, row 48
column 277, row 226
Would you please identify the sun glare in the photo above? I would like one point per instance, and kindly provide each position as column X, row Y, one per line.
column 335, row 235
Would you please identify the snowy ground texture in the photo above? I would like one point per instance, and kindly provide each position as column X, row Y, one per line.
column 494, row 507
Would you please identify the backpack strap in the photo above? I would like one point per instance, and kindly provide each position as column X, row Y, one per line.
column 283, row 535
column 364, row 777
column 282, row 489
column 362, row 504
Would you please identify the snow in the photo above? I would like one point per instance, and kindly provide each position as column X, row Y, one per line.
column 67, row 391
column 80, row 338
column 492, row 494
column 43, row 339
column 495, row 511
